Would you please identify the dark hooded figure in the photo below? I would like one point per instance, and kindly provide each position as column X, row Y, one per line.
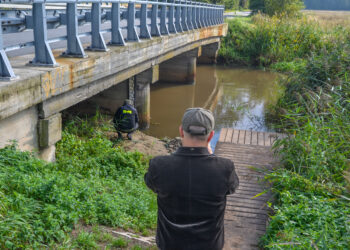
column 126, row 119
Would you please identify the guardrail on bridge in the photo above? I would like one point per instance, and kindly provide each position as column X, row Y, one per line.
column 175, row 16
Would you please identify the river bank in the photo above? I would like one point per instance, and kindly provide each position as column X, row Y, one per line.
column 311, row 188
column 147, row 145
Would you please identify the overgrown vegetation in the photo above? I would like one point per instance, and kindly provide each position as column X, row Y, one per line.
column 92, row 182
column 311, row 192
column 279, row 8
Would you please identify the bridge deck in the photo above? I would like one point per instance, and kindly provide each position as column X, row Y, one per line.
column 246, row 217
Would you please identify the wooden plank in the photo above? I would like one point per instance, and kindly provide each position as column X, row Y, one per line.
column 243, row 196
column 261, row 139
column 247, row 215
column 267, row 139
column 241, row 136
column 262, row 205
column 257, row 189
column 248, row 203
column 229, row 135
column 242, row 224
column 248, row 137
column 235, row 136
column 273, row 138
column 222, row 135
column 247, row 210
column 239, row 221
column 254, row 138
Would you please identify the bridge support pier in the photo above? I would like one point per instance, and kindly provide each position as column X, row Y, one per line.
column 49, row 132
column 180, row 69
column 209, row 53
column 142, row 95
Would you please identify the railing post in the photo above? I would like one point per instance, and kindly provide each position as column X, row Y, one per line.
column 222, row 15
column 154, row 20
column 198, row 15
column 97, row 41
column 184, row 17
column 194, row 19
column 132, row 34
column 6, row 71
column 43, row 53
column 207, row 15
column 117, row 37
column 163, row 26
column 212, row 15
column 217, row 16
column 178, row 25
column 74, row 47
column 171, row 25
column 189, row 16
column 203, row 15
column 144, row 31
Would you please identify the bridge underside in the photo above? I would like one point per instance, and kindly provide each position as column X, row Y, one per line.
column 30, row 105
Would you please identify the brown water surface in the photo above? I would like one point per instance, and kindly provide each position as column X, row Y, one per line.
column 238, row 98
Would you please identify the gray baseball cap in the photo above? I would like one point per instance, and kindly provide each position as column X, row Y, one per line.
column 198, row 121
column 127, row 102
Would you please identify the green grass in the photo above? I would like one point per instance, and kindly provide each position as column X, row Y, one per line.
column 92, row 182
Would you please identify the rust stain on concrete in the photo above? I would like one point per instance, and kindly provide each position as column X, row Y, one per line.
column 71, row 76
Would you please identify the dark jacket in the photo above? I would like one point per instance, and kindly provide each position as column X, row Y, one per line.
column 191, row 185
column 126, row 118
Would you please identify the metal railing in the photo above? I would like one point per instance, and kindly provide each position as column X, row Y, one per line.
column 168, row 16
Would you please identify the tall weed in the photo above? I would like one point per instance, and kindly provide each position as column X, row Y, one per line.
column 264, row 41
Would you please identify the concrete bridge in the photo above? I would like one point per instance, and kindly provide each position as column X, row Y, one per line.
column 34, row 92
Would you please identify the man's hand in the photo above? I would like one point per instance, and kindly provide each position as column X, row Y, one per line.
column 209, row 149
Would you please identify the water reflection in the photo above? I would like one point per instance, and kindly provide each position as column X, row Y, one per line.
column 238, row 98
column 169, row 102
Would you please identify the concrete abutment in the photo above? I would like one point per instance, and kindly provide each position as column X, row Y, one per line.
column 209, row 53
column 180, row 69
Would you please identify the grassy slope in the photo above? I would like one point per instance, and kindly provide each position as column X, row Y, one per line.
column 312, row 201
column 92, row 182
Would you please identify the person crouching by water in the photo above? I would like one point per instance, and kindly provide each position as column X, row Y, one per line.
column 191, row 187
column 126, row 120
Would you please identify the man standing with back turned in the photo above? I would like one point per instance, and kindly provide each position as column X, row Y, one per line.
column 191, row 187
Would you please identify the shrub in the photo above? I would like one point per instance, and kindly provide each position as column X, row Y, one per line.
column 277, row 7
column 283, row 7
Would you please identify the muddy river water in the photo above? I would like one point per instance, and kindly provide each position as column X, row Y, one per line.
column 238, row 98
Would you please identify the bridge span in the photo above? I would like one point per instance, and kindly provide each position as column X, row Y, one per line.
column 34, row 92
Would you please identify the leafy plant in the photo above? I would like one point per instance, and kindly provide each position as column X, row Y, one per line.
column 92, row 182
